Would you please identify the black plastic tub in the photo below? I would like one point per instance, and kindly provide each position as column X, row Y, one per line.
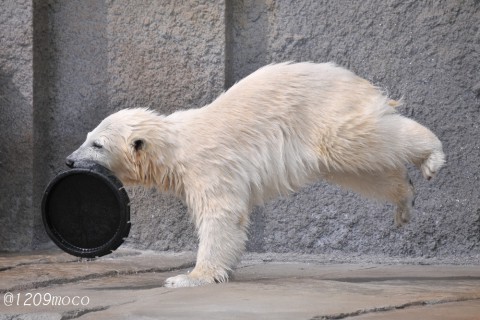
column 86, row 211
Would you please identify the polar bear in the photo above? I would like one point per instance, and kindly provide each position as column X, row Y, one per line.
column 283, row 126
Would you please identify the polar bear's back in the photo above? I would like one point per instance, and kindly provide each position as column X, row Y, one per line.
column 285, row 123
column 301, row 92
column 285, row 85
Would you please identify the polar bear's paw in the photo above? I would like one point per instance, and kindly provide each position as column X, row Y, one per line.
column 185, row 280
column 402, row 216
column 432, row 164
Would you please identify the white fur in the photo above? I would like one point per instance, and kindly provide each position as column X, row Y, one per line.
column 284, row 126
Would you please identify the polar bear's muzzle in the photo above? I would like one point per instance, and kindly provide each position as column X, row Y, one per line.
column 70, row 162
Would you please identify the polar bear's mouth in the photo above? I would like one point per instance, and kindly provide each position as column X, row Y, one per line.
column 80, row 164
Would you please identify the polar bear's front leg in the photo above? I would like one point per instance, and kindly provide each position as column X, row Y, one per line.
column 185, row 280
column 221, row 243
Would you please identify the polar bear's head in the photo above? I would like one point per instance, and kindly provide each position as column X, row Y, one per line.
column 132, row 143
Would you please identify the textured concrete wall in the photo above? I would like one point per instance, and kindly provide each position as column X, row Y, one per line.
column 70, row 69
column 426, row 52
column 166, row 55
column 16, row 125
column 94, row 57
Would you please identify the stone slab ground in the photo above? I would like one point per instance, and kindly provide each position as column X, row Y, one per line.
column 129, row 285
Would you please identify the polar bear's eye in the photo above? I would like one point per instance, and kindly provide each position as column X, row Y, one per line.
column 97, row 145
column 138, row 144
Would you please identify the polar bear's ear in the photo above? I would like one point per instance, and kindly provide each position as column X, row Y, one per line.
column 138, row 144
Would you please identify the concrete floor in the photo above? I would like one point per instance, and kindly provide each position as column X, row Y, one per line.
column 129, row 285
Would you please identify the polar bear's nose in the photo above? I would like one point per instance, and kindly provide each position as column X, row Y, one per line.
column 69, row 162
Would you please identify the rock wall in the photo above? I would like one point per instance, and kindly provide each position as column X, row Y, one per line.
column 91, row 58
column 16, row 125
column 427, row 54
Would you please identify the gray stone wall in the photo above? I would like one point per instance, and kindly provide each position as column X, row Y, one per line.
column 70, row 86
column 16, row 125
column 91, row 58
column 166, row 55
column 427, row 53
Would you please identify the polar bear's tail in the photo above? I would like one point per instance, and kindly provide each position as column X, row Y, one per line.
column 394, row 103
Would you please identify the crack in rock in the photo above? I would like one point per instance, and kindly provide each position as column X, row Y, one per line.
column 31, row 316
column 412, row 304
column 111, row 273
column 74, row 314
column 5, row 268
